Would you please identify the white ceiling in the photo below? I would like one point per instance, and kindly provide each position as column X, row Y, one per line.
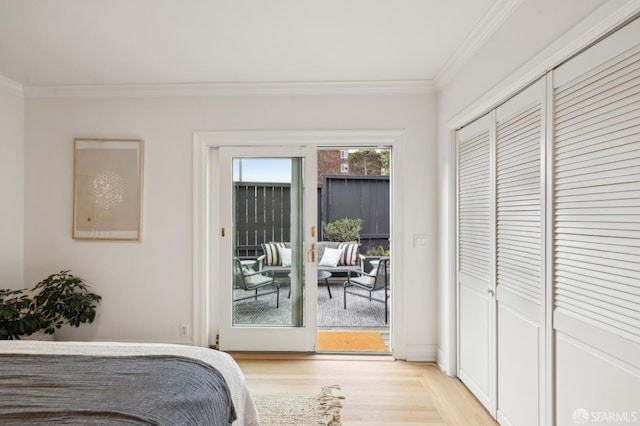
column 105, row 42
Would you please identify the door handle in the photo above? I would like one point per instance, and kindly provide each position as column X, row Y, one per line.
column 490, row 292
column 311, row 254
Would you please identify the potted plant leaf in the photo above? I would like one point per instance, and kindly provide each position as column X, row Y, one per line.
column 16, row 317
column 60, row 299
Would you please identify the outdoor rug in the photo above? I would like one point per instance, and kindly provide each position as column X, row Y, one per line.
column 300, row 410
column 360, row 311
column 370, row 341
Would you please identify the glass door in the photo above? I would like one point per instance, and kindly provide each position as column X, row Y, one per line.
column 267, row 250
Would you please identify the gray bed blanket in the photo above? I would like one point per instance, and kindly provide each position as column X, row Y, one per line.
column 120, row 390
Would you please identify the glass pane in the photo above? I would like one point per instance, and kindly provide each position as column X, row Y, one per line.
column 268, row 253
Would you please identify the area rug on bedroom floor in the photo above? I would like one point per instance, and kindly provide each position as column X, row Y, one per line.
column 300, row 410
column 351, row 341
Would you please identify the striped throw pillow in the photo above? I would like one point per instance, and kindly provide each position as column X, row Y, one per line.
column 349, row 254
column 272, row 253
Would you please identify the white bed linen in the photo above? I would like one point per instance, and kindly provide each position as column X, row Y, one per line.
column 245, row 408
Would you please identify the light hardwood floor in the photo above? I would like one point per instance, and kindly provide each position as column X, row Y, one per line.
column 377, row 389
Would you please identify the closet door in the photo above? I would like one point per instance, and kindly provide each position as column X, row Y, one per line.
column 597, row 231
column 520, row 256
column 476, row 259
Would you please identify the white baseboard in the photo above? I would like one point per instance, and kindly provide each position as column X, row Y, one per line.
column 442, row 360
column 425, row 353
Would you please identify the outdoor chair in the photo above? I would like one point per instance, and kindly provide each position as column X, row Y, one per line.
column 250, row 280
column 376, row 280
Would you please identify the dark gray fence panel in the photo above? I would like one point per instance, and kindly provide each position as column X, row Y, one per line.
column 264, row 210
column 263, row 214
column 366, row 197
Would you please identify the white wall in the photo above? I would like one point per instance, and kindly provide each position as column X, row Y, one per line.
column 537, row 33
column 11, row 187
column 146, row 285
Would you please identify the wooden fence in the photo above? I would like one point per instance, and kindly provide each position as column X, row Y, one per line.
column 364, row 197
column 263, row 210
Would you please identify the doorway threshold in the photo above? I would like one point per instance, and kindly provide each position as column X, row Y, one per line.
column 343, row 340
column 310, row 356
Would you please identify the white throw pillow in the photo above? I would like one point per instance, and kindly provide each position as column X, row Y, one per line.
column 372, row 280
column 331, row 257
column 285, row 256
column 245, row 273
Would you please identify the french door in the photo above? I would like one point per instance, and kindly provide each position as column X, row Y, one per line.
column 267, row 195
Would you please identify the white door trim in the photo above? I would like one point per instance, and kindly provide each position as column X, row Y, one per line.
column 204, row 219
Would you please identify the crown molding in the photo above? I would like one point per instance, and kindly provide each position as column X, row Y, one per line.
column 490, row 22
column 408, row 87
column 11, row 85
column 602, row 22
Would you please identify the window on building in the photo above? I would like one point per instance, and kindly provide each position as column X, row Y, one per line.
column 344, row 168
column 344, row 154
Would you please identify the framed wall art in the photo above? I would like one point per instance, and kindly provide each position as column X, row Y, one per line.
column 107, row 189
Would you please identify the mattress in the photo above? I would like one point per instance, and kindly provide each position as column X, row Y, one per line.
column 148, row 354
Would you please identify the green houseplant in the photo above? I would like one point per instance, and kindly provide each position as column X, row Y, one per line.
column 342, row 230
column 60, row 299
column 378, row 251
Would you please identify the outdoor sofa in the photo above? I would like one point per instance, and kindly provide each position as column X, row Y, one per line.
column 277, row 257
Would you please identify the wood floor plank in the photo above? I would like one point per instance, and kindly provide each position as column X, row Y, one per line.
column 376, row 391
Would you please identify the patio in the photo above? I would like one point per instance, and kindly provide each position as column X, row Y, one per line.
column 360, row 311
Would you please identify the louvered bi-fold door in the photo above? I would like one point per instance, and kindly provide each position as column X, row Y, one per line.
column 597, row 231
column 476, row 260
column 520, row 268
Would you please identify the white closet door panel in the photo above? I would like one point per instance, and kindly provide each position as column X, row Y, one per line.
column 475, row 352
column 520, row 273
column 591, row 379
column 518, row 384
column 474, row 204
column 523, row 168
column 476, row 259
column 597, row 194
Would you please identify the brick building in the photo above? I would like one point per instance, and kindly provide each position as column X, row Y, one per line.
column 332, row 162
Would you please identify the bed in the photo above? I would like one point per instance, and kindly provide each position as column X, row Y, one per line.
column 104, row 383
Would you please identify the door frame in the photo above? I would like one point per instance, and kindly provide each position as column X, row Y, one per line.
column 205, row 218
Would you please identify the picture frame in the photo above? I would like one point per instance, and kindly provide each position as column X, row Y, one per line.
column 107, row 189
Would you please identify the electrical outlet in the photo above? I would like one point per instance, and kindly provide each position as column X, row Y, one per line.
column 184, row 330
